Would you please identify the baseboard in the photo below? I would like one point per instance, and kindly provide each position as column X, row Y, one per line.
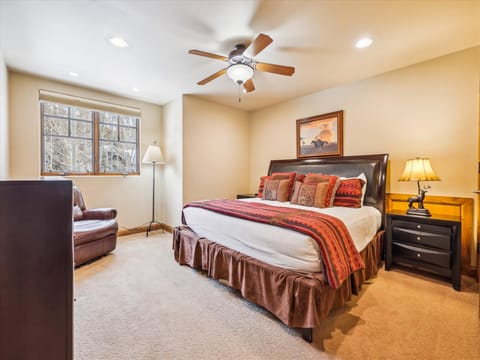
column 143, row 228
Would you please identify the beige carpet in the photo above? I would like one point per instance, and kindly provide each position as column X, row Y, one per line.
column 138, row 303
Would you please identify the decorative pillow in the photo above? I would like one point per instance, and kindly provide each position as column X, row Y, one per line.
column 311, row 194
column 349, row 193
column 276, row 190
column 364, row 186
column 286, row 175
column 363, row 177
column 262, row 185
column 278, row 176
column 299, row 177
column 332, row 182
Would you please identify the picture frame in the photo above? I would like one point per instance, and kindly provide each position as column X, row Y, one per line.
column 320, row 135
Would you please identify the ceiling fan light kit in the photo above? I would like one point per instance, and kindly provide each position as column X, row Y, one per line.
column 242, row 67
column 240, row 73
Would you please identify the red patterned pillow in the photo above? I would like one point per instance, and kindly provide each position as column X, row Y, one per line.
column 331, row 180
column 276, row 190
column 286, row 175
column 278, row 176
column 262, row 185
column 311, row 194
column 349, row 193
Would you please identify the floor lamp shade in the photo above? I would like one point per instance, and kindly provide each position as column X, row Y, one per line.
column 153, row 156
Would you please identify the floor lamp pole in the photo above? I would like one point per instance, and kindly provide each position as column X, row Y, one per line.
column 149, row 228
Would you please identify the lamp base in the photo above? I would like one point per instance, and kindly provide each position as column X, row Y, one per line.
column 150, row 226
column 419, row 212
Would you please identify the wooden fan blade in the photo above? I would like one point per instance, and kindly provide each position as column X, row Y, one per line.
column 257, row 45
column 207, row 54
column 212, row 77
column 276, row 69
column 248, row 86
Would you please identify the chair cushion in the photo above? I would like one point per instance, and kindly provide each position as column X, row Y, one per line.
column 90, row 230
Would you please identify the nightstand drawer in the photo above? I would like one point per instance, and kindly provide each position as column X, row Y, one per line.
column 439, row 258
column 437, row 240
column 437, row 229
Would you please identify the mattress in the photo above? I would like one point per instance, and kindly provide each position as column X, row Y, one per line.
column 279, row 246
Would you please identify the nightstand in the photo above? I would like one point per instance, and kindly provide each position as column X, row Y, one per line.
column 246, row 196
column 429, row 244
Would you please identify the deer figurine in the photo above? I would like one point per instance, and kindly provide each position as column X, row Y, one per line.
column 419, row 210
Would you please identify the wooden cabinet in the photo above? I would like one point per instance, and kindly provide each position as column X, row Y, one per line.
column 430, row 244
column 36, row 270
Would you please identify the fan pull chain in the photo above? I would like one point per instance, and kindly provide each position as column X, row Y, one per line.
column 239, row 92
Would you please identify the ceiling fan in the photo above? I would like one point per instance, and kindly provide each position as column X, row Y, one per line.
column 241, row 66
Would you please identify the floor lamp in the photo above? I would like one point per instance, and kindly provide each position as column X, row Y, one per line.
column 153, row 156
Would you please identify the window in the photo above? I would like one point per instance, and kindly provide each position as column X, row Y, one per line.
column 83, row 141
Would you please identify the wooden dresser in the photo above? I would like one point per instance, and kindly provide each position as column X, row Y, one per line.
column 36, row 270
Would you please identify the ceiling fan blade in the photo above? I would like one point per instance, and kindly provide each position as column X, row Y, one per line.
column 248, row 86
column 257, row 45
column 212, row 77
column 207, row 54
column 276, row 69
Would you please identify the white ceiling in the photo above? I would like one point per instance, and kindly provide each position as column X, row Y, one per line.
column 53, row 38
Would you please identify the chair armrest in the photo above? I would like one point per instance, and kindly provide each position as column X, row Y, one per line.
column 99, row 214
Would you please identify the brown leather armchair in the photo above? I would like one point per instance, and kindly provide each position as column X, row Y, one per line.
column 94, row 230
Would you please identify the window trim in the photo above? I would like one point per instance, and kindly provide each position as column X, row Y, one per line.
column 95, row 138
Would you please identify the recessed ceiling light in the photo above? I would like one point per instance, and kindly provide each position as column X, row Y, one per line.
column 117, row 41
column 363, row 43
column 135, row 89
column 73, row 73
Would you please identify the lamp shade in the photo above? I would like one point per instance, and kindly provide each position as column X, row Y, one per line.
column 418, row 169
column 239, row 73
column 153, row 155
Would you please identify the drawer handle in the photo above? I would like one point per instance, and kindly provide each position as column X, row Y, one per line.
column 418, row 255
column 419, row 238
column 419, row 226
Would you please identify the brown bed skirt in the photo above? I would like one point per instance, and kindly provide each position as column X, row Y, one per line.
column 297, row 299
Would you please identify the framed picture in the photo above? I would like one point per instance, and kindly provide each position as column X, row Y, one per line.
column 320, row 135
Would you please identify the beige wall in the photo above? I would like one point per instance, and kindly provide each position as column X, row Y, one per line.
column 130, row 195
column 172, row 179
column 215, row 150
column 4, row 141
column 428, row 109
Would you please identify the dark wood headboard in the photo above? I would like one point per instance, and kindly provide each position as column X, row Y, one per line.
column 373, row 166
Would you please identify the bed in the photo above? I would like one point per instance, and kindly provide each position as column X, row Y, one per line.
column 299, row 293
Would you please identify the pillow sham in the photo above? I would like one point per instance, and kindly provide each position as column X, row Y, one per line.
column 332, row 182
column 315, row 195
column 363, row 177
column 349, row 193
column 278, row 176
column 262, row 185
column 276, row 190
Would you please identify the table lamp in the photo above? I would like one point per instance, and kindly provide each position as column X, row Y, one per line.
column 418, row 169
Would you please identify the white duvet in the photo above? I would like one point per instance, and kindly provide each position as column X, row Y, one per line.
column 278, row 246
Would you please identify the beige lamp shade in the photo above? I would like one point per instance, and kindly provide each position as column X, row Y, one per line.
column 418, row 169
column 153, row 155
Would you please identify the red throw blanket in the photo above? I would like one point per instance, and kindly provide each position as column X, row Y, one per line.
column 338, row 252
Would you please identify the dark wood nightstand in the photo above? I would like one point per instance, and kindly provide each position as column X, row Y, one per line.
column 246, row 196
column 430, row 244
